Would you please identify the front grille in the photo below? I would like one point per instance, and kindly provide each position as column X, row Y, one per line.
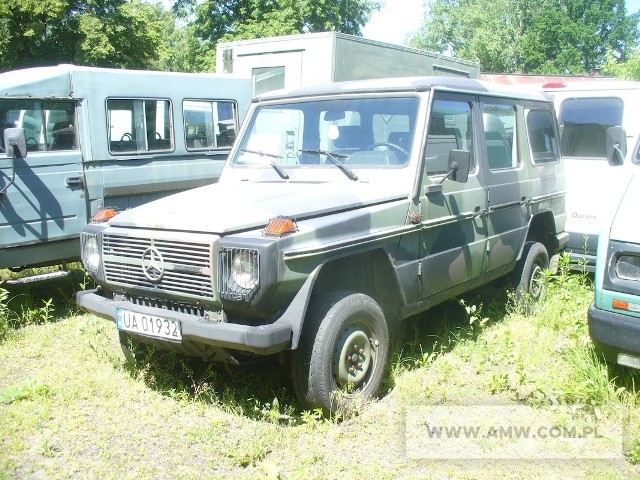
column 181, row 267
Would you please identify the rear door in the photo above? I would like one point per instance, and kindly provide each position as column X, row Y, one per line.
column 509, row 190
column 47, row 201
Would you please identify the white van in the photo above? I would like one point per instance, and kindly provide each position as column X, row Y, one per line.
column 599, row 125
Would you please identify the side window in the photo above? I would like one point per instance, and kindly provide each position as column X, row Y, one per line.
column 499, row 133
column 209, row 124
column 47, row 125
column 266, row 79
column 542, row 136
column 584, row 123
column 450, row 128
column 139, row 125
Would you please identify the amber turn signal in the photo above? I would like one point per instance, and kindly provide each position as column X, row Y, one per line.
column 280, row 226
column 104, row 214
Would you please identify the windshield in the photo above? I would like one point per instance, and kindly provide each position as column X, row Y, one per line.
column 343, row 133
column 584, row 123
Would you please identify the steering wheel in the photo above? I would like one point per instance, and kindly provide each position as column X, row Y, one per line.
column 126, row 136
column 201, row 134
column 392, row 146
column 157, row 136
column 33, row 141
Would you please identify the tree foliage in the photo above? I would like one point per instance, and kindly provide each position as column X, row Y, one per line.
column 139, row 34
column 112, row 33
column 543, row 36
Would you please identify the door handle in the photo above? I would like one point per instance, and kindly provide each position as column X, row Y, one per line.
column 75, row 182
column 478, row 211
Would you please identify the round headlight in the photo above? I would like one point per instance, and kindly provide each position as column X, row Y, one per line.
column 90, row 253
column 246, row 271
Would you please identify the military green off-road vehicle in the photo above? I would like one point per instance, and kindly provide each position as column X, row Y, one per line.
column 342, row 211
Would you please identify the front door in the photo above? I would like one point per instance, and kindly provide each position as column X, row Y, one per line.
column 453, row 235
column 45, row 208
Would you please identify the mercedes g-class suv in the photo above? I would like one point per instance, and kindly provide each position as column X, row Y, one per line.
column 342, row 210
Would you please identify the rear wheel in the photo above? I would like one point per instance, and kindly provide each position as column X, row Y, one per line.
column 529, row 276
column 342, row 353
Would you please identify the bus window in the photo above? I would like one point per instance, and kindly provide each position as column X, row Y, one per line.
column 139, row 125
column 209, row 124
column 47, row 125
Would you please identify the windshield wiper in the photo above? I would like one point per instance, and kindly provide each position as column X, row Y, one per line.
column 269, row 156
column 333, row 158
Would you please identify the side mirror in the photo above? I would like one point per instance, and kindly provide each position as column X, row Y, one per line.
column 15, row 143
column 616, row 145
column 459, row 165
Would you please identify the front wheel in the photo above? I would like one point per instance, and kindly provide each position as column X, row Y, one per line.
column 529, row 276
column 342, row 353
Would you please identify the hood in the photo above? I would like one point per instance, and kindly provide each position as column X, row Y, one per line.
column 624, row 227
column 227, row 207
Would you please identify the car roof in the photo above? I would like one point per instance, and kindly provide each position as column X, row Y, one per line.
column 406, row 84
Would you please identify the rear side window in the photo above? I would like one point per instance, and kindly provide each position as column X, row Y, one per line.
column 48, row 125
column 542, row 136
column 499, row 128
column 209, row 124
column 584, row 123
column 136, row 125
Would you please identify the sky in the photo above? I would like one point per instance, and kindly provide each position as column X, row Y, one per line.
column 398, row 18
column 395, row 20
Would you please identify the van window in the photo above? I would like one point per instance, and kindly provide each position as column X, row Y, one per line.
column 499, row 126
column 47, row 125
column 584, row 123
column 139, row 125
column 209, row 124
column 542, row 136
column 450, row 128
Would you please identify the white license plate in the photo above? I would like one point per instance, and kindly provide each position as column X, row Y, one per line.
column 149, row 325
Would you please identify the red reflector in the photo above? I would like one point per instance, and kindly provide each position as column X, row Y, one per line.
column 554, row 85
column 620, row 305
column 104, row 214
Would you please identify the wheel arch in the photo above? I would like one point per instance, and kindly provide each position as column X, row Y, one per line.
column 369, row 272
column 542, row 229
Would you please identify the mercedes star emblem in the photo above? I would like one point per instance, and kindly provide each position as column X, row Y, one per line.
column 152, row 264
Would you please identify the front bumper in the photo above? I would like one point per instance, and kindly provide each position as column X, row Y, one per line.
column 614, row 333
column 261, row 339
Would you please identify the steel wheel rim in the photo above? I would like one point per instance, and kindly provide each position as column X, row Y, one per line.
column 353, row 357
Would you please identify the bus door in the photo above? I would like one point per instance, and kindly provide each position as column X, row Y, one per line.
column 46, row 202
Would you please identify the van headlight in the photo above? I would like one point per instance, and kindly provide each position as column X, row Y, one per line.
column 90, row 252
column 628, row 267
column 239, row 272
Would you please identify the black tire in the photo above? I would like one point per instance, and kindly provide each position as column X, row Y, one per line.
column 343, row 352
column 529, row 276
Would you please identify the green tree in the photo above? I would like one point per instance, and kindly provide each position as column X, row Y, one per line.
column 112, row 33
column 628, row 69
column 233, row 19
column 473, row 29
column 542, row 36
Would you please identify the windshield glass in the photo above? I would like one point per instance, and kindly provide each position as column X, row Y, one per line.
column 343, row 133
column 584, row 123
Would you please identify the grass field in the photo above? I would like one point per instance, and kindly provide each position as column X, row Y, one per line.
column 71, row 407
